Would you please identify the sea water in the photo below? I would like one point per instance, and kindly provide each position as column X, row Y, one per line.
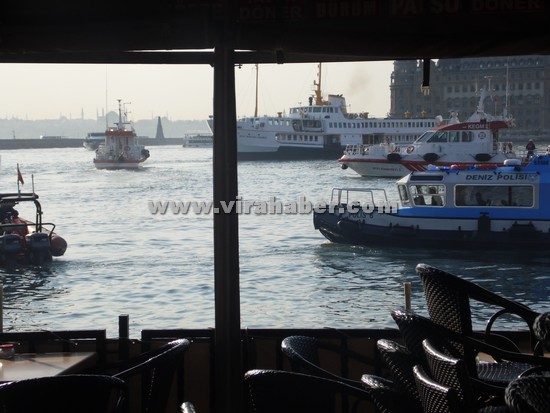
column 158, row 268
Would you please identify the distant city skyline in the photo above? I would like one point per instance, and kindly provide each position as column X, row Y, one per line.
column 181, row 92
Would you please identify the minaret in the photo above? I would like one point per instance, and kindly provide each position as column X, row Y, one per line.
column 160, row 133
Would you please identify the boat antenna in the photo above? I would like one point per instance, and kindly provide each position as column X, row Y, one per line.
column 318, row 95
column 256, row 105
column 507, row 97
column 119, row 123
column 489, row 90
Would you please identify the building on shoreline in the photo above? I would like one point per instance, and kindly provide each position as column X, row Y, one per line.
column 522, row 81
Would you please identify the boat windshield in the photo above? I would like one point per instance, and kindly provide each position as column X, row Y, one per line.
column 453, row 136
column 431, row 195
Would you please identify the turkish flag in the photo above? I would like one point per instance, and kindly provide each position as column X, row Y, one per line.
column 20, row 176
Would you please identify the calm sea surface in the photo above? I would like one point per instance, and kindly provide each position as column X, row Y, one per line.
column 122, row 259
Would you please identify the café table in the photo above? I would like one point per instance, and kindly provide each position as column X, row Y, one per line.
column 31, row 365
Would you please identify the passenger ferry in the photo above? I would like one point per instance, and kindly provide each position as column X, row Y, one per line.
column 321, row 129
column 93, row 140
column 198, row 141
column 450, row 142
column 479, row 206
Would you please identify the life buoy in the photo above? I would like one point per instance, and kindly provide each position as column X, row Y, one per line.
column 431, row 157
column 126, row 148
column 393, row 157
column 410, row 149
column 483, row 157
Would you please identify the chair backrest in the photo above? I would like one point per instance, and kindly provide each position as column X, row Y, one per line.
column 63, row 394
column 157, row 370
column 448, row 299
column 541, row 328
column 303, row 353
column 400, row 362
column 435, row 397
column 274, row 391
column 528, row 394
column 414, row 328
column 451, row 372
column 388, row 398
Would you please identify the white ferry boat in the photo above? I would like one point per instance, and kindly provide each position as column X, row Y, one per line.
column 321, row 130
column 93, row 140
column 448, row 143
column 200, row 140
column 448, row 207
column 121, row 149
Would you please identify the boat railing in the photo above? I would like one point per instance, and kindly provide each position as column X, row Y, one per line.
column 358, row 196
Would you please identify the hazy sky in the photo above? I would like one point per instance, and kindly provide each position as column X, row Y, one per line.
column 180, row 92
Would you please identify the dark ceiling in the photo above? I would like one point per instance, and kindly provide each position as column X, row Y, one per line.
column 281, row 31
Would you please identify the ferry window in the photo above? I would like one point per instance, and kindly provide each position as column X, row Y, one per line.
column 494, row 196
column 454, row 136
column 466, row 136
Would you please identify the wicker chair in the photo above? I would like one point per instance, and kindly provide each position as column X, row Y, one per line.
column 156, row 369
column 63, row 394
column 275, row 391
column 541, row 328
column 448, row 299
column 435, row 397
column 400, row 362
column 387, row 398
column 303, row 353
column 415, row 328
column 472, row 393
column 529, row 395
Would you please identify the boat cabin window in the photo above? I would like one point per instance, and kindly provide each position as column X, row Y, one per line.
column 494, row 196
column 438, row 137
column 466, row 136
column 403, row 194
column 430, row 195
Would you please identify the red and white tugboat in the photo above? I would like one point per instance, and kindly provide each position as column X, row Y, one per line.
column 121, row 149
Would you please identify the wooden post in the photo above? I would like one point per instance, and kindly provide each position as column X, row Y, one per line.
column 124, row 336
